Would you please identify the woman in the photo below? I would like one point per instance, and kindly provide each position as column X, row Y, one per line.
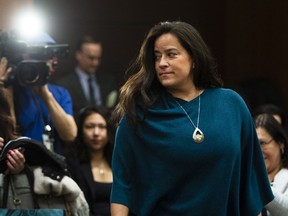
column 21, row 197
column 274, row 145
column 90, row 164
column 182, row 140
column 15, row 159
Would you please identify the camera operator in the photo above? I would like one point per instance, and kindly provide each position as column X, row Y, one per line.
column 43, row 112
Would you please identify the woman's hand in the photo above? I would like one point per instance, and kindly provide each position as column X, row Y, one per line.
column 15, row 161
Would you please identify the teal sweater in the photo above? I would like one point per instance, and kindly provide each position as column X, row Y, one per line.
column 160, row 170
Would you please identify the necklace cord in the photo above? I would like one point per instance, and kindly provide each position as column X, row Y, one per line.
column 198, row 135
column 198, row 117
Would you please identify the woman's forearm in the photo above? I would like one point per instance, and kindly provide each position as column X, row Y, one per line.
column 119, row 210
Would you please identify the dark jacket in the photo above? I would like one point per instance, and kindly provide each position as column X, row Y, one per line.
column 81, row 172
column 71, row 82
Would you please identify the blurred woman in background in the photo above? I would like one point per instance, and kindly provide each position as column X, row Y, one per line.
column 274, row 144
column 90, row 159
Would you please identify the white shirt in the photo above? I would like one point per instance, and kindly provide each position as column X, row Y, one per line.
column 279, row 206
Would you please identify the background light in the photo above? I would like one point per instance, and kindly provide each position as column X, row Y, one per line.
column 29, row 24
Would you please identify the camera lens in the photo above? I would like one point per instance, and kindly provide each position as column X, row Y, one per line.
column 32, row 73
column 29, row 74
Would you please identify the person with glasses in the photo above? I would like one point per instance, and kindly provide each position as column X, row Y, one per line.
column 87, row 85
column 274, row 145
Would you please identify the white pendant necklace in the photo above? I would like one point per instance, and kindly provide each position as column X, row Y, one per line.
column 198, row 135
column 100, row 171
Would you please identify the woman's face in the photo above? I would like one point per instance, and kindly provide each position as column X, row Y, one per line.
column 271, row 150
column 173, row 64
column 95, row 134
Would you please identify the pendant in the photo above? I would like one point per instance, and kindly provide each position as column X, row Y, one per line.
column 198, row 135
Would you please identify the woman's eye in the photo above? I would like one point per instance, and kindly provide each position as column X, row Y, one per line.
column 157, row 57
column 102, row 126
column 171, row 54
column 89, row 126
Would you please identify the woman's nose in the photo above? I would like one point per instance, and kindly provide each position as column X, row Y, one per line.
column 163, row 61
column 96, row 130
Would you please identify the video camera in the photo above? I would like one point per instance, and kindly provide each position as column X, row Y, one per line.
column 29, row 61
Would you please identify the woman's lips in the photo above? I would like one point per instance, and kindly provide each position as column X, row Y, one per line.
column 164, row 73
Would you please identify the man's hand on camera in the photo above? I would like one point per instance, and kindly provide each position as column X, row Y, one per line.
column 1, row 143
column 43, row 91
column 4, row 71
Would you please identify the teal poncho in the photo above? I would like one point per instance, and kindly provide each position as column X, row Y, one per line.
column 160, row 170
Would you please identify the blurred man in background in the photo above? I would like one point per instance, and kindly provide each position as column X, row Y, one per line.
column 87, row 85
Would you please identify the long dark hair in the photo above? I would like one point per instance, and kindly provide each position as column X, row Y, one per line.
column 81, row 150
column 143, row 86
column 271, row 109
column 276, row 131
column 7, row 124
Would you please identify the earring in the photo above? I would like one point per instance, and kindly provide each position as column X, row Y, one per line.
column 282, row 151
